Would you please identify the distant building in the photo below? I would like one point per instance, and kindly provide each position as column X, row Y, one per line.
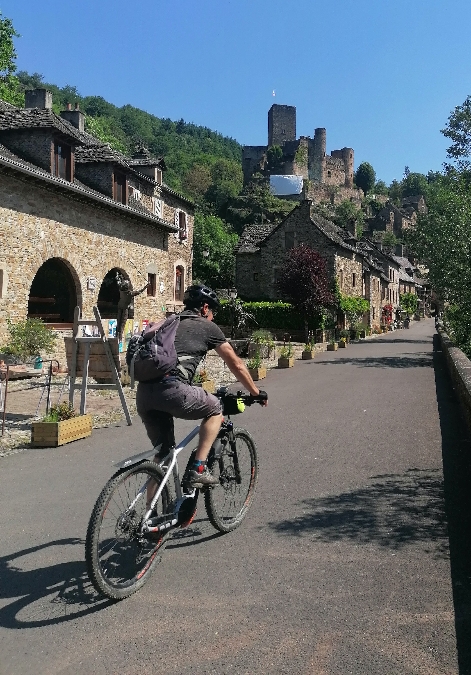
column 326, row 178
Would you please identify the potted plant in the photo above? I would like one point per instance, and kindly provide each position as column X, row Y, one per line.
column 332, row 346
column 345, row 333
column 203, row 380
column 27, row 339
column 60, row 425
column 256, row 368
column 262, row 342
column 342, row 343
column 309, row 350
column 286, row 358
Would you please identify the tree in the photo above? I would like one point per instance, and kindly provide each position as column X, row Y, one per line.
column 415, row 184
column 256, row 204
column 458, row 130
column 349, row 216
column 354, row 308
column 409, row 303
column 9, row 85
column 380, row 188
column 197, row 182
column 365, row 177
column 213, row 236
column 304, row 281
column 274, row 159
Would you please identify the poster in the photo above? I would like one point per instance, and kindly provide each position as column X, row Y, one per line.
column 136, row 330
column 112, row 325
column 144, row 324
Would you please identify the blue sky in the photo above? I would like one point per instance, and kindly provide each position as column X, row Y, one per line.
column 381, row 75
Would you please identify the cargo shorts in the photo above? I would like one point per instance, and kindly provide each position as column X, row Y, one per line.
column 159, row 402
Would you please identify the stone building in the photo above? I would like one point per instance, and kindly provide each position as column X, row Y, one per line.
column 327, row 178
column 74, row 212
column 360, row 270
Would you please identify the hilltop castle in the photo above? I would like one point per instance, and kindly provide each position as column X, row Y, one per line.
column 325, row 177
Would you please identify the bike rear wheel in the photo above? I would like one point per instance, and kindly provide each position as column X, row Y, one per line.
column 237, row 469
column 119, row 559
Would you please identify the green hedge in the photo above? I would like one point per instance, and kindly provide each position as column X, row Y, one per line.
column 279, row 315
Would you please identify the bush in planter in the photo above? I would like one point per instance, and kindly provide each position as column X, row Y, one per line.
column 28, row 338
column 254, row 362
column 263, row 342
column 60, row 412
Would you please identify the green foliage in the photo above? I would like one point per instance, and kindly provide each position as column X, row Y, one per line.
column 458, row 130
column 353, row 307
column 415, row 184
column 255, row 361
column 262, row 337
column 255, row 204
column 380, row 188
column 349, row 216
column 212, row 235
column 104, row 129
column 274, row 158
column 29, row 337
column 60, row 412
column 365, row 177
column 409, row 303
column 287, row 351
column 274, row 315
column 10, row 90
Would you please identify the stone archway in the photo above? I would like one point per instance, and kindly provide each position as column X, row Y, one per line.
column 108, row 296
column 53, row 294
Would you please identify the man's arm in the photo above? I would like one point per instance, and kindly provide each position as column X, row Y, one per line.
column 237, row 367
column 134, row 293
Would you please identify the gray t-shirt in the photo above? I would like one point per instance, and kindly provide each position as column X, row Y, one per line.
column 195, row 337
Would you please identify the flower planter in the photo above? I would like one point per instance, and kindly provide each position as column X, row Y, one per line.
column 286, row 362
column 342, row 345
column 257, row 373
column 53, row 434
column 307, row 356
column 332, row 347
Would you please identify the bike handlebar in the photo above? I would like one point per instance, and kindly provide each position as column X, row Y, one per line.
column 248, row 399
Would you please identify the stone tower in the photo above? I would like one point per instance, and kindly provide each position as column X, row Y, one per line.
column 318, row 155
column 281, row 124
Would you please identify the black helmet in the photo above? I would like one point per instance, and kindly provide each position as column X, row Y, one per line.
column 198, row 295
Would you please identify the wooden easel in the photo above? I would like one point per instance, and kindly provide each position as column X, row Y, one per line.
column 86, row 342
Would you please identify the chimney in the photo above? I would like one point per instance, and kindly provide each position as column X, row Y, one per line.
column 38, row 98
column 75, row 117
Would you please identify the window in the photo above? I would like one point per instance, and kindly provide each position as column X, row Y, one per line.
column 374, row 313
column 341, row 279
column 120, row 193
column 329, row 174
column 152, row 287
column 354, row 279
column 62, row 164
column 180, row 222
column 179, row 283
column 158, row 176
column 157, row 207
column 290, row 238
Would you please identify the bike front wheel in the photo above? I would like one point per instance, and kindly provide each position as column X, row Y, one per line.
column 237, row 469
column 119, row 558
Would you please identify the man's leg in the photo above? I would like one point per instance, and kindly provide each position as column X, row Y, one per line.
column 209, row 429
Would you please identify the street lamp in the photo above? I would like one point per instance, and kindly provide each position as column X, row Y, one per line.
column 232, row 293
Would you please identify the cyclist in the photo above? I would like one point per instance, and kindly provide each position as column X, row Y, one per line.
column 158, row 402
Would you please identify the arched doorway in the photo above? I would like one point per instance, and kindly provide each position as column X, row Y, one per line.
column 108, row 297
column 53, row 293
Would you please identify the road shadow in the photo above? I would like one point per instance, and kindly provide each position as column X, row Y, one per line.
column 456, row 452
column 419, row 360
column 198, row 532
column 392, row 512
column 49, row 595
column 394, row 340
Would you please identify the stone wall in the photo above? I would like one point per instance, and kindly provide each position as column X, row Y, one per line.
column 36, row 148
column 98, row 175
column 38, row 223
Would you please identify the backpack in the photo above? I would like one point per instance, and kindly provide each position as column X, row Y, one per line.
column 152, row 354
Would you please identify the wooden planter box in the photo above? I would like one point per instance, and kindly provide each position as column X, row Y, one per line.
column 257, row 373
column 342, row 345
column 286, row 362
column 53, row 434
column 332, row 348
column 209, row 386
column 307, row 356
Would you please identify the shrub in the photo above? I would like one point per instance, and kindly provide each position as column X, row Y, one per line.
column 29, row 337
column 276, row 315
column 60, row 412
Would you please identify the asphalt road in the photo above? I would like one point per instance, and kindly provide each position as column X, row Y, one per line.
column 354, row 557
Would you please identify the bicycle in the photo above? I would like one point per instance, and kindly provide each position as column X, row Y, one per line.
column 135, row 512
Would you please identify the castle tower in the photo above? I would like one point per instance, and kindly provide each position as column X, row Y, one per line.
column 281, row 124
column 347, row 156
column 318, row 159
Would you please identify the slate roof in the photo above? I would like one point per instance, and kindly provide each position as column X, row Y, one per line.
column 142, row 157
column 10, row 161
column 252, row 237
column 13, row 119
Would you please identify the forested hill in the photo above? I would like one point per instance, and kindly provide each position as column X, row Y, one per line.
column 190, row 151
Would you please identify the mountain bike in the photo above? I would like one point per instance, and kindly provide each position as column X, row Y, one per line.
column 138, row 507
